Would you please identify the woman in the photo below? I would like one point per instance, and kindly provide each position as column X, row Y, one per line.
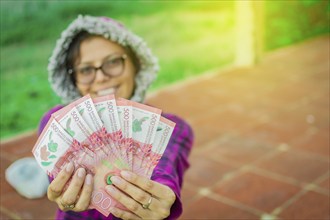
column 99, row 56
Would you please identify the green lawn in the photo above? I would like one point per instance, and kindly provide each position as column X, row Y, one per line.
column 189, row 37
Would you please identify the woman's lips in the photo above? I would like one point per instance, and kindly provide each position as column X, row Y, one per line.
column 108, row 91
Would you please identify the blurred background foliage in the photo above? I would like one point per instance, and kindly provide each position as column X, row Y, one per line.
column 189, row 37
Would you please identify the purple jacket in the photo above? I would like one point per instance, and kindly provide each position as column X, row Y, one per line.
column 169, row 171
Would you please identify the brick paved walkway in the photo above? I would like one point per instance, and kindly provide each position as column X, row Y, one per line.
column 262, row 141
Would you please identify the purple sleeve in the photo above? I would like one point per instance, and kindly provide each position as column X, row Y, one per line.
column 174, row 162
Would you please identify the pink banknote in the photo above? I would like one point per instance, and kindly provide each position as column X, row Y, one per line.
column 144, row 127
column 107, row 110
column 104, row 135
column 163, row 134
column 125, row 119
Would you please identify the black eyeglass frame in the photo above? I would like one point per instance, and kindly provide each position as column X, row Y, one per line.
column 95, row 69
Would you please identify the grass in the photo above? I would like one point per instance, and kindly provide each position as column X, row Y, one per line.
column 292, row 21
column 25, row 93
column 189, row 37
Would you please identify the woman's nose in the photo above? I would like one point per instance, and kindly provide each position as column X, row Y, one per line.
column 100, row 76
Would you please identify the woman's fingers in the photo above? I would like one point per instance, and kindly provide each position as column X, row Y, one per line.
column 133, row 191
column 78, row 192
column 56, row 187
column 127, row 201
column 156, row 189
column 85, row 195
column 123, row 214
column 141, row 196
column 70, row 195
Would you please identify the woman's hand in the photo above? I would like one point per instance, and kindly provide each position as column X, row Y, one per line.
column 77, row 195
column 144, row 198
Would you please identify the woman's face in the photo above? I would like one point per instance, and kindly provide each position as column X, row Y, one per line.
column 94, row 52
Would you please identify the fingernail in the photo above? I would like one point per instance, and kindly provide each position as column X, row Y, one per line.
column 110, row 189
column 127, row 175
column 69, row 167
column 116, row 180
column 88, row 180
column 81, row 172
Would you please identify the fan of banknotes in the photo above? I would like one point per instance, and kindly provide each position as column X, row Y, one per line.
column 104, row 135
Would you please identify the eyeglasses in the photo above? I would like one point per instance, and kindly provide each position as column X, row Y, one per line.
column 112, row 66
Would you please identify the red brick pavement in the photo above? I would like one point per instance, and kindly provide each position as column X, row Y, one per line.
column 262, row 141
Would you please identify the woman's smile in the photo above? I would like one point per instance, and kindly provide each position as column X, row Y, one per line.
column 93, row 51
column 107, row 91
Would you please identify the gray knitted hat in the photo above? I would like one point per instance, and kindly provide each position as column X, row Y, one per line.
column 112, row 30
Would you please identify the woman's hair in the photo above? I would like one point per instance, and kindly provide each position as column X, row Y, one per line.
column 73, row 53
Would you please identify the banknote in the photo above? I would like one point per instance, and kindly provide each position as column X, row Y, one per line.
column 99, row 135
column 163, row 134
column 104, row 135
column 55, row 148
column 76, row 126
column 107, row 110
column 144, row 127
column 71, row 120
column 125, row 119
